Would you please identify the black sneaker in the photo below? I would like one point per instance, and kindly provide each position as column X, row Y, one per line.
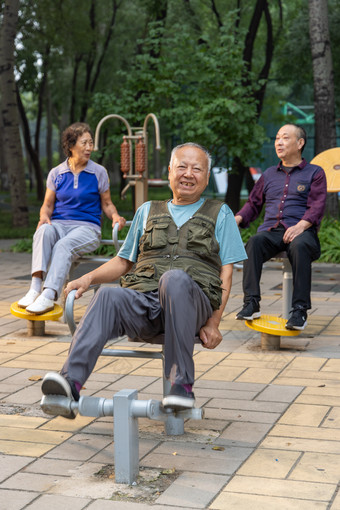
column 249, row 312
column 179, row 398
column 55, row 384
column 298, row 320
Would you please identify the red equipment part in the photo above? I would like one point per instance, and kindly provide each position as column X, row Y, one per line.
column 140, row 162
column 125, row 157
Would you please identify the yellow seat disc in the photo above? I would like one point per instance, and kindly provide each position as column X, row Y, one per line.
column 52, row 315
column 329, row 160
column 272, row 325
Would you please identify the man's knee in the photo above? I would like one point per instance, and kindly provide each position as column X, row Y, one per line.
column 255, row 242
column 174, row 280
column 116, row 299
column 304, row 248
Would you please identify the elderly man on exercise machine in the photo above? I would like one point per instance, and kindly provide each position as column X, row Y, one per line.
column 176, row 272
column 294, row 193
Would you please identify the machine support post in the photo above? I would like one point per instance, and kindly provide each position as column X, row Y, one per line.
column 126, row 437
column 287, row 288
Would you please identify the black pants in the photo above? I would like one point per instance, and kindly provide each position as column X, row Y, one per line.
column 301, row 252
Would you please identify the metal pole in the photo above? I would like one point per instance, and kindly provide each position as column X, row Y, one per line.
column 287, row 288
column 126, row 437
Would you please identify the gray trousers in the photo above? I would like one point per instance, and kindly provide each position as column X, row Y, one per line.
column 179, row 309
column 56, row 246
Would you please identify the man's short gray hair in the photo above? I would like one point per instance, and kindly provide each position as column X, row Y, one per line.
column 190, row 144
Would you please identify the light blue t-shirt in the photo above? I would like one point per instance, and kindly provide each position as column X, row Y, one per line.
column 226, row 231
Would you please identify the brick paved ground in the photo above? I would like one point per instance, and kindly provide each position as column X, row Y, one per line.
column 270, row 438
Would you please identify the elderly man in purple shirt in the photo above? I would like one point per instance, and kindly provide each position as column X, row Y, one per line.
column 294, row 193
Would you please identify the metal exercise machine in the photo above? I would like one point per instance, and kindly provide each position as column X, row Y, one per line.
column 126, row 409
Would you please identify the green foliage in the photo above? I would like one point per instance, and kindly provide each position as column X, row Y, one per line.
column 329, row 236
column 24, row 245
column 246, row 233
column 196, row 90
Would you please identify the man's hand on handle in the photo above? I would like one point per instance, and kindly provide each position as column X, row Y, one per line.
column 81, row 285
column 210, row 335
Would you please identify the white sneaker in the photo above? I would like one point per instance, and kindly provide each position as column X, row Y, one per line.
column 41, row 305
column 28, row 299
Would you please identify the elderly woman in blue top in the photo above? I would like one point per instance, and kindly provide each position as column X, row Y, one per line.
column 77, row 191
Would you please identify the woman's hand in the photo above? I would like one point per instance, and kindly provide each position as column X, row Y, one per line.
column 118, row 219
column 44, row 218
column 47, row 208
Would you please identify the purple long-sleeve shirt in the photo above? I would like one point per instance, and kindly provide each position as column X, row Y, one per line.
column 288, row 197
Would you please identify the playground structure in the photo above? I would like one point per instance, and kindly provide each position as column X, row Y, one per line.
column 134, row 149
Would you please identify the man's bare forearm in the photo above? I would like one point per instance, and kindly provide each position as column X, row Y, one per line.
column 110, row 271
column 226, row 277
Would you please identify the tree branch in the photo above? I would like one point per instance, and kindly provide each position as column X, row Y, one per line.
column 251, row 34
column 217, row 15
column 115, row 7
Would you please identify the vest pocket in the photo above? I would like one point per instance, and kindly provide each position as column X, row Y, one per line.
column 146, row 273
column 155, row 236
column 201, row 239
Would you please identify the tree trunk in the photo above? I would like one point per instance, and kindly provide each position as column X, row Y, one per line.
column 324, row 105
column 235, row 179
column 4, row 184
column 261, row 7
column 11, row 134
column 30, row 149
column 49, row 128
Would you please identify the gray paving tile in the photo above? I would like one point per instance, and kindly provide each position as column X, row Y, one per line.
column 224, row 393
column 51, row 501
column 250, row 434
column 6, row 372
column 193, row 490
column 239, row 415
column 52, row 467
column 234, row 386
column 226, row 403
column 188, row 456
column 30, row 395
column 16, row 499
column 124, row 505
column 277, row 393
column 132, row 381
column 30, row 482
column 11, row 464
column 79, row 447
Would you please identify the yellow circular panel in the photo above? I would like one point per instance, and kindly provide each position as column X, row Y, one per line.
column 53, row 315
column 272, row 325
column 330, row 161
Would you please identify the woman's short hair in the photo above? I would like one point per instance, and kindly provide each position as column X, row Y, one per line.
column 71, row 134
